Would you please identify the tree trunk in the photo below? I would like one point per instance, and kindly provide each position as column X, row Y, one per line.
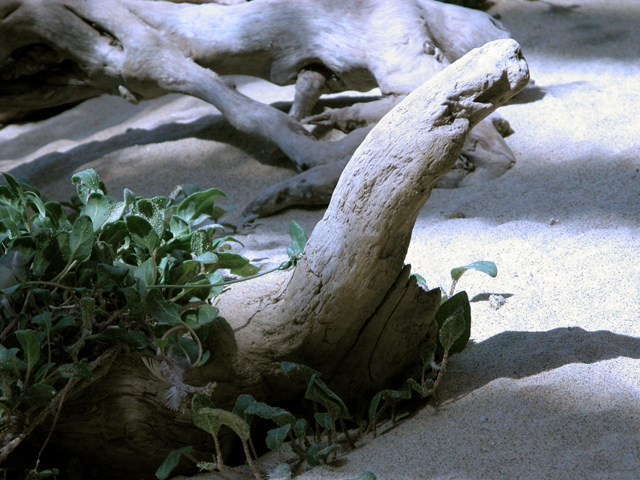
column 350, row 308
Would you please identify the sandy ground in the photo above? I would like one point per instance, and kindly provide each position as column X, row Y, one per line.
column 550, row 388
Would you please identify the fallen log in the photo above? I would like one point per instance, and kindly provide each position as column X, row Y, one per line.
column 55, row 52
column 350, row 308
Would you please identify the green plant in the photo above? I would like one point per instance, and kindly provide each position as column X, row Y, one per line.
column 454, row 327
column 454, row 330
column 79, row 284
column 308, row 444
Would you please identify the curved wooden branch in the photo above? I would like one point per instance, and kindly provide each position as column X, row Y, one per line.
column 350, row 309
column 356, row 252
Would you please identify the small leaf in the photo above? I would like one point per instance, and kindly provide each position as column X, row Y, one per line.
column 199, row 401
column 171, row 462
column 315, row 455
column 8, row 359
column 364, row 476
column 204, row 314
column 81, row 239
column 115, row 233
column 152, row 210
column 205, row 358
column 222, row 242
column 242, row 403
column 86, row 182
column 248, row 270
column 482, row 266
column 30, row 346
column 373, row 407
column 116, row 211
column 395, row 395
column 43, row 370
column 76, row 369
column 38, row 393
column 37, row 202
column 135, row 339
column 142, row 233
column 276, row 436
column 56, row 213
column 323, row 419
column 14, row 185
column 298, row 240
column 451, row 329
column 208, row 423
column 109, row 276
column 199, row 206
column 448, row 308
column 48, row 473
column 317, row 391
column 231, row 260
column 217, row 417
column 13, row 215
column 98, row 209
column 422, row 390
column 164, row 311
column 64, row 322
column 208, row 258
column 179, row 227
column 44, row 319
column 302, row 371
column 301, row 428
column 278, row 415
column 202, row 240
column 144, row 272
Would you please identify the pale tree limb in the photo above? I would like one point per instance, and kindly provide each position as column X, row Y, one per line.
column 61, row 51
column 350, row 309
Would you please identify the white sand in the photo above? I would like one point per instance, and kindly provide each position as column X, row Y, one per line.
column 551, row 387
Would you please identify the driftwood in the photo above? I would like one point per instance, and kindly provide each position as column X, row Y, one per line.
column 55, row 52
column 350, row 308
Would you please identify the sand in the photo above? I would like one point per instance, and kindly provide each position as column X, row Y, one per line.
column 550, row 387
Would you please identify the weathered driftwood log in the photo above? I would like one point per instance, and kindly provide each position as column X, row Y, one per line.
column 350, row 309
column 54, row 52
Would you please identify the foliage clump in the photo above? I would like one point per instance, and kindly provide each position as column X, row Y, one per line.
column 80, row 283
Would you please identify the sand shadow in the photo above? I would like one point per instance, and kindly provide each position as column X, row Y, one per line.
column 523, row 354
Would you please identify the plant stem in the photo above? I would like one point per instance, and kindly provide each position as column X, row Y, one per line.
column 453, row 288
column 55, row 419
column 255, row 471
column 50, row 284
column 219, row 284
column 346, row 434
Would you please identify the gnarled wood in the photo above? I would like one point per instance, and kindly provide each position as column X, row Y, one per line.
column 349, row 309
column 54, row 52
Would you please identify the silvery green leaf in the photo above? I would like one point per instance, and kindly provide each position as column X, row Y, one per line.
column 276, row 436
column 171, row 462
column 451, row 329
column 484, row 266
column 81, row 239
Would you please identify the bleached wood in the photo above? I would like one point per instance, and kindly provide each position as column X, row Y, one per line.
column 61, row 51
column 349, row 309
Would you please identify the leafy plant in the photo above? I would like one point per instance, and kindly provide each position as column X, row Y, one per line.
column 454, row 327
column 454, row 330
column 306, row 443
column 78, row 284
